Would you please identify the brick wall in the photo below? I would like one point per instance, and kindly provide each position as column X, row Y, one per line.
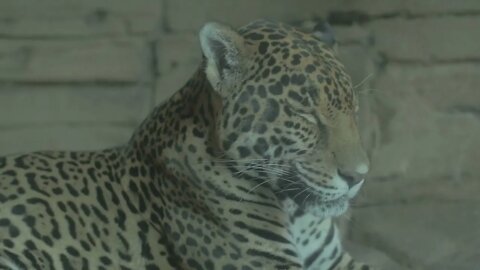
column 75, row 74
column 82, row 75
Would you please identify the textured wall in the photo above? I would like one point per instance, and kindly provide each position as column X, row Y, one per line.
column 82, row 75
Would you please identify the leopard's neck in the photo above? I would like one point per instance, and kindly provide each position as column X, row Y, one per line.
column 190, row 112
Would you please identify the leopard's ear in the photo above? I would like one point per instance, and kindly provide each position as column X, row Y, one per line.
column 324, row 32
column 224, row 52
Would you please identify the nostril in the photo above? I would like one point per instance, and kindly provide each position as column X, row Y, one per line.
column 351, row 179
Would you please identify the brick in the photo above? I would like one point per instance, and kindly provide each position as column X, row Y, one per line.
column 441, row 38
column 417, row 142
column 172, row 81
column 51, row 18
column 179, row 56
column 425, row 233
column 370, row 255
column 369, row 7
column 116, row 60
column 26, row 105
column 429, row 122
column 62, row 137
column 238, row 13
column 176, row 50
column 443, row 6
column 413, row 7
column 357, row 62
column 445, row 87
column 344, row 35
column 355, row 34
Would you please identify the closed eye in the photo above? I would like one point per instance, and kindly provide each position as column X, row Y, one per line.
column 310, row 118
column 307, row 115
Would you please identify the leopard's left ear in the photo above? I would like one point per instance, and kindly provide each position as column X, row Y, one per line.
column 224, row 51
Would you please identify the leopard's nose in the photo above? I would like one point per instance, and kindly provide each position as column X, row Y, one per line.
column 362, row 168
column 353, row 177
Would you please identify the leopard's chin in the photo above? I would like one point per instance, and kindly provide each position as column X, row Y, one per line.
column 327, row 209
column 334, row 207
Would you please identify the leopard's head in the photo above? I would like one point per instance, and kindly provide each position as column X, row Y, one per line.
column 288, row 111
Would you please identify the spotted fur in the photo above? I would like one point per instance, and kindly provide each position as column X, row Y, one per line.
column 243, row 168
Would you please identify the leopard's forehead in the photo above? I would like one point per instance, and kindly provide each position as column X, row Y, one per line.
column 284, row 56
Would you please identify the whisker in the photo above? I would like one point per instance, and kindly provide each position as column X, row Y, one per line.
column 261, row 167
column 304, row 200
column 257, row 186
column 368, row 91
column 363, row 81
column 301, row 192
column 288, row 189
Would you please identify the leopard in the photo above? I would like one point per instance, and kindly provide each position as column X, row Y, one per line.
column 246, row 166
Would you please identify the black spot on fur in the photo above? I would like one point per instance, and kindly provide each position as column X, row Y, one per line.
column 247, row 123
column 310, row 68
column 231, row 138
column 276, row 89
column 260, row 128
column 276, row 69
column 18, row 209
column 298, row 79
column 285, row 79
column 295, row 96
column 254, row 36
column 263, row 47
column 243, row 151
column 261, row 146
column 296, row 59
column 275, row 36
column 261, row 91
column 271, row 111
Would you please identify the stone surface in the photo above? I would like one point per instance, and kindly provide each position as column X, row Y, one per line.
column 404, row 7
column 35, row 105
column 371, row 256
column 443, row 38
column 119, row 60
column 443, row 87
column 177, row 50
column 63, row 137
column 358, row 64
column 167, row 85
column 178, row 57
column 431, row 231
column 352, row 35
column 426, row 143
column 419, row 134
column 238, row 13
column 51, row 18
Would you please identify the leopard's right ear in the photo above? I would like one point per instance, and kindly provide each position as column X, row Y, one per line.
column 323, row 31
column 224, row 51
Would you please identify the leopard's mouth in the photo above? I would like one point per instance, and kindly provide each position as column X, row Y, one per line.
column 316, row 202
column 353, row 191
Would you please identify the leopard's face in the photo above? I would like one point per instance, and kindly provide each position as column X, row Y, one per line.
column 289, row 113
